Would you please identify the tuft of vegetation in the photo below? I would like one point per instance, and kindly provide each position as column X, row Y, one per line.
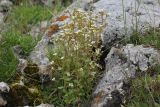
column 74, row 60
column 145, row 89
column 151, row 37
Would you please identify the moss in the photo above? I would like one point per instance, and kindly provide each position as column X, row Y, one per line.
column 32, row 75
column 23, row 95
column 31, row 69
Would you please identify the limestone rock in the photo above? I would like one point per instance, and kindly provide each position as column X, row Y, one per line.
column 45, row 105
column 18, row 52
column 121, row 65
column 39, row 29
column 5, row 5
column 1, row 18
column 42, row 105
column 39, row 57
column 123, row 17
column 48, row 2
column 4, row 89
column 1, row 38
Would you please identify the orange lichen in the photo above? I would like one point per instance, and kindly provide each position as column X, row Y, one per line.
column 62, row 18
column 98, row 98
column 53, row 29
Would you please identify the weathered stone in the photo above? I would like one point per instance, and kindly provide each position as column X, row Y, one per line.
column 123, row 16
column 18, row 52
column 38, row 56
column 121, row 65
column 1, row 18
column 5, row 5
column 45, row 105
column 2, row 101
column 48, row 2
column 4, row 89
column 126, row 16
column 38, row 30
column 35, row 32
column 42, row 105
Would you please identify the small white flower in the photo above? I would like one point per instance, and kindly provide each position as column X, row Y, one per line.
column 97, row 51
column 55, row 54
column 93, row 73
column 53, row 79
column 78, row 31
column 68, row 74
column 59, row 68
column 52, row 62
column 93, row 42
column 71, row 84
column 89, row 45
column 76, row 47
column 73, row 17
column 109, row 96
column 73, row 40
column 81, row 69
column 21, row 83
column 62, row 57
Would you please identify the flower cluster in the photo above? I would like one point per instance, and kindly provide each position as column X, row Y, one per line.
column 75, row 66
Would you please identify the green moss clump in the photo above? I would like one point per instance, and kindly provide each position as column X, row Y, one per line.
column 22, row 95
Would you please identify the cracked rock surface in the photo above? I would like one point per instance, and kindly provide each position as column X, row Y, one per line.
column 126, row 15
column 121, row 64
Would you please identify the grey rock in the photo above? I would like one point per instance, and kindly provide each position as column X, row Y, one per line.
column 1, row 18
column 22, row 65
column 4, row 89
column 48, row 2
column 122, row 16
column 5, row 5
column 3, row 102
column 2, row 24
column 20, row 55
column 38, row 30
column 18, row 52
column 121, row 65
column 45, row 105
column 39, row 56
column 35, row 32
column 35, row 1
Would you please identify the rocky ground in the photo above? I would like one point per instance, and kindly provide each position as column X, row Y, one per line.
column 121, row 61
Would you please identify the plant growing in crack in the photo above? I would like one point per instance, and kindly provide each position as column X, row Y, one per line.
column 74, row 58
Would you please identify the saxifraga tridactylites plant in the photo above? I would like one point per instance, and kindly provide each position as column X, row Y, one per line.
column 74, row 64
